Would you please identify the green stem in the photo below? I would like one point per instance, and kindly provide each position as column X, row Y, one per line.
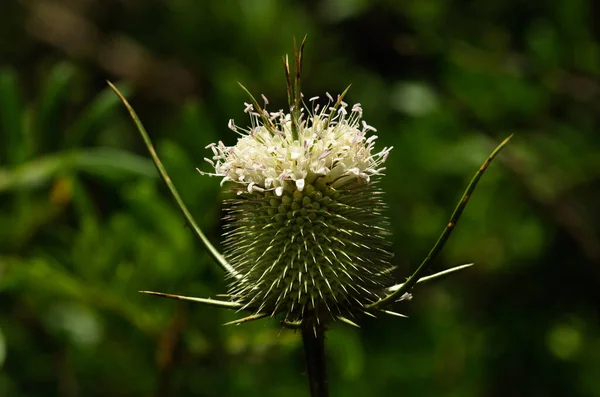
column 313, row 336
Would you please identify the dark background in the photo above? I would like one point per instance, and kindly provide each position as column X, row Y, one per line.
column 85, row 222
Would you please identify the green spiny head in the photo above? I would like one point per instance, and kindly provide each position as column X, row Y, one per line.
column 306, row 232
column 308, row 252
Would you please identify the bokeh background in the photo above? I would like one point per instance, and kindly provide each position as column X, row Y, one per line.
column 85, row 222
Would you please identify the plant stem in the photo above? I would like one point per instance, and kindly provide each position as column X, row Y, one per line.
column 313, row 336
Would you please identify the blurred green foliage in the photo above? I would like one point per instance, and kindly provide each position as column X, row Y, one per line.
column 85, row 222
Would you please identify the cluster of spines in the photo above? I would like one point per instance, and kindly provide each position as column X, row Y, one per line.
column 321, row 251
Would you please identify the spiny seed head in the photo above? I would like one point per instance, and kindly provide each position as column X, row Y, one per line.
column 305, row 232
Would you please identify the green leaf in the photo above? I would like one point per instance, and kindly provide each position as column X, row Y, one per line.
column 95, row 115
column 11, row 118
column 34, row 275
column 47, row 123
column 2, row 348
column 113, row 164
column 109, row 164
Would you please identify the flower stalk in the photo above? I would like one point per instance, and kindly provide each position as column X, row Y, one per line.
column 313, row 338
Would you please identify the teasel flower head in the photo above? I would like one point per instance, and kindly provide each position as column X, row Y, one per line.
column 306, row 230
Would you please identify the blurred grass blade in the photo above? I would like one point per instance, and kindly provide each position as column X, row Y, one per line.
column 34, row 275
column 31, row 174
column 435, row 276
column 47, row 131
column 165, row 176
column 94, row 116
column 210, row 302
column 413, row 279
column 2, row 348
column 86, row 213
column 11, row 118
column 110, row 164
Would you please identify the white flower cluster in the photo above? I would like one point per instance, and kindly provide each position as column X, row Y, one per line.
column 331, row 143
